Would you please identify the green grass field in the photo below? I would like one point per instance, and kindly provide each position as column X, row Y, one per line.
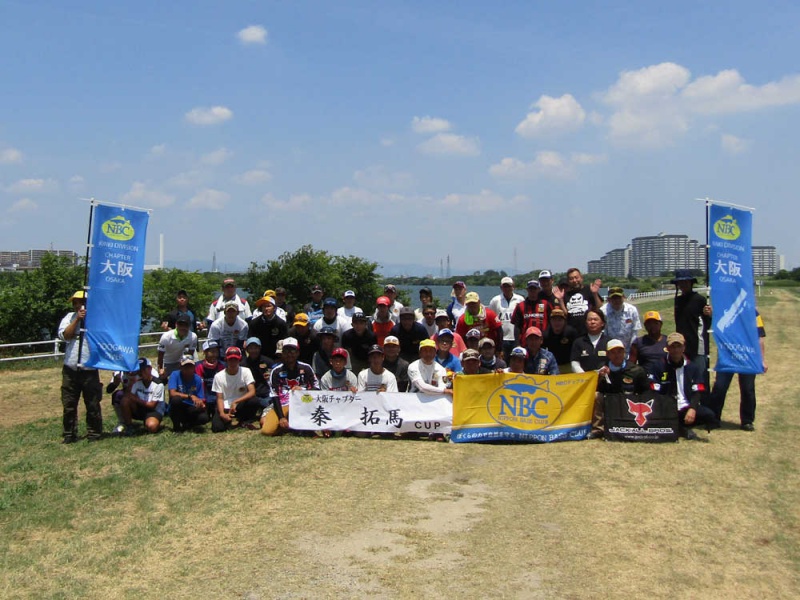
column 237, row 515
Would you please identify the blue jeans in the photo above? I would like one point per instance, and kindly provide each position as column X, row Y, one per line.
column 747, row 390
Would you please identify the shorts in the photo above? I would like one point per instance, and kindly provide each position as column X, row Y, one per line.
column 142, row 413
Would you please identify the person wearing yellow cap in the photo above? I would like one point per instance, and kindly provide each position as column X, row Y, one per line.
column 77, row 380
column 268, row 327
column 426, row 375
column 649, row 350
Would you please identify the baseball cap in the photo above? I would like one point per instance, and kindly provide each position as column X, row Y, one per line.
column 228, row 281
column 483, row 341
column 407, row 310
column 614, row 344
column 231, row 304
column 280, row 290
column 289, row 342
column 269, row 293
column 383, row 300
column 300, row 319
column 519, row 351
column 390, row 339
column 375, row 348
column 208, row 344
column 426, row 290
column 533, row 330
column 558, row 312
column 327, row 330
column 187, row 360
column 329, row 302
column 79, row 295
column 252, row 340
column 545, row 274
column 181, row 293
column 340, row 352
column 183, row 319
column 316, row 288
column 472, row 297
column 359, row 316
column 441, row 313
column 233, row 352
column 616, row 291
column 389, row 287
column 425, row 344
column 506, row 281
column 265, row 299
column 470, row 354
column 445, row 331
column 459, row 283
column 650, row 314
column 473, row 333
column 349, row 294
column 144, row 362
column 534, row 283
column 675, row 338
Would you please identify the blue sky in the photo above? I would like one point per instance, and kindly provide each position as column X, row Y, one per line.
column 398, row 131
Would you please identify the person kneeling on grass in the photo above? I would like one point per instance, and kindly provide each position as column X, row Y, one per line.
column 339, row 378
column 236, row 394
column 187, row 404
column 145, row 402
column 290, row 375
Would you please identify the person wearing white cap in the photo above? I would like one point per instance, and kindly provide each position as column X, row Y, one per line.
column 289, row 375
column 349, row 309
column 503, row 305
column 230, row 330
column 187, row 402
column 619, row 376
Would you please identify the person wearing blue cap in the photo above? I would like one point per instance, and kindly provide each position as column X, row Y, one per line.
column 331, row 319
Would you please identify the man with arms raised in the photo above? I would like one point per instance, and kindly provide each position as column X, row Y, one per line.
column 503, row 305
column 579, row 298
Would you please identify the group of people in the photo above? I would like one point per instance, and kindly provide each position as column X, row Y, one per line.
column 253, row 359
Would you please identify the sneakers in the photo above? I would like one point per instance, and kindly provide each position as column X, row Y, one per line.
column 118, row 430
column 748, row 427
column 690, row 434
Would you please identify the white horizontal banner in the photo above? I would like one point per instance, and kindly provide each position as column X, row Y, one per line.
column 377, row 412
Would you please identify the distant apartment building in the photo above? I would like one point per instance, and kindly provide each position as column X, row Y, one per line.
column 31, row 259
column 654, row 255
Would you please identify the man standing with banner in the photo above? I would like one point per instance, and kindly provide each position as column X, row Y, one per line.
column 735, row 319
column 116, row 274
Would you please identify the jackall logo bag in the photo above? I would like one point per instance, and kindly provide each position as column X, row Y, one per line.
column 647, row 417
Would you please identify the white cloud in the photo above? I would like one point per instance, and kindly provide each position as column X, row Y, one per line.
column 658, row 104
column 10, row 156
column 32, row 186
column 430, row 125
column 484, row 201
column 380, row 178
column 209, row 199
column 253, row 177
column 386, row 142
column 545, row 164
column 76, row 180
column 209, row 115
column 144, row 195
column 157, row 150
column 555, row 115
column 450, row 144
column 253, row 34
column 217, row 157
column 583, row 158
column 187, row 179
column 732, row 144
column 23, row 205
column 296, row 201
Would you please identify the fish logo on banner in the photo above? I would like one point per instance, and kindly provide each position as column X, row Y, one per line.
column 521, row 403
column 118, row 228
column 727, row 228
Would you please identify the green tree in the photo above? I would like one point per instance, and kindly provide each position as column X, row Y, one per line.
column 34, row 302
column 160, row 287
column 297, row 271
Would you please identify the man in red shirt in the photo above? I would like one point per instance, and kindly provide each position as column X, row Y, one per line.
column 533, row 312
column 477, row 316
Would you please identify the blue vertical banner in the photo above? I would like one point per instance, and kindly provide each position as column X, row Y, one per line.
column 730, row 269
column 116, row 277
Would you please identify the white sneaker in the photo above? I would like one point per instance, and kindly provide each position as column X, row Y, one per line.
column 118, row 430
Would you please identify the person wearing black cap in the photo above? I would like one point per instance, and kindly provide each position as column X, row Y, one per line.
column 330, row 319
column 174, row 345
column 409, row 333
column 314, row 308
column 376, row 378
column 390, row 291
column 692, row 317
column 358, row 341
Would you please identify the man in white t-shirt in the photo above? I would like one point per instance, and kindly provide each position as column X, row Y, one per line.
column 145, row 402
column 230, row 330
column 331, row 319
column 426, row 375
column 229, row 294
column 503, row 305
column 349, row 309
column 236, row 394
column 376, row 378
column 174, row 345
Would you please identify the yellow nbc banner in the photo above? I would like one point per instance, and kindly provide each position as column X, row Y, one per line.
column 517, row 407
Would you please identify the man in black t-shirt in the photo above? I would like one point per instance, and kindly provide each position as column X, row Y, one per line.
column 692, row 316
column 579, row 298
column 558, row 338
